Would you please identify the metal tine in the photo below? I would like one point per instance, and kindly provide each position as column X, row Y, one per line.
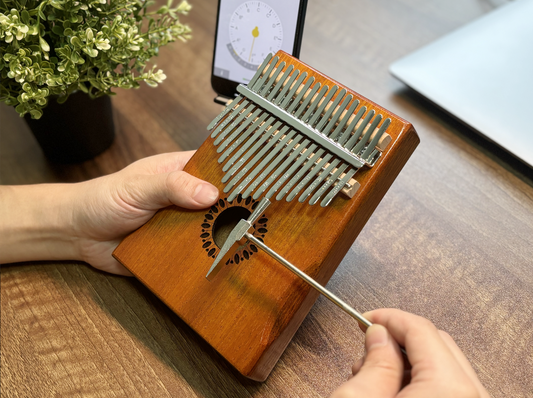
column 259, row 84
column 281, row 168
column 286, row 87
column 268, row 134
column 353, row 139
column 245, row 124
column 288, row 148
column 257, row 136
column 329, row 112
column 313, row 103
column 360, row 145
column 371, row 159
column 228, row 108
column 252, row 162
column 266, row 162
column 282, row 80
column 259, row 144
column 300, row 171
column 314, row 171
column 302, row 154
column 230, row 117
column 234, row 123
column 344, row 120
column 243, row 107
column 327, row 184
column 283, row 103
column 323, row 105
column 301, row 109
column 239, row 140
column 337, row 188
column 260, row 70
column 321, row 177
column 268, row 85
column 351, row 126
column 376, row 138
column 300, row 95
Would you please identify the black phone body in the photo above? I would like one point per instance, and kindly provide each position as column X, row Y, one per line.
column 246, row 32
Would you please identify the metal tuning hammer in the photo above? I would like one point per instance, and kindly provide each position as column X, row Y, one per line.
column 243, row 232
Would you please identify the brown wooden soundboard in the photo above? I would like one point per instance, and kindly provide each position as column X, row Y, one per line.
column 252, row 308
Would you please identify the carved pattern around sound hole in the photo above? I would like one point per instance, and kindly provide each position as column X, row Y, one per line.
column 209, row 227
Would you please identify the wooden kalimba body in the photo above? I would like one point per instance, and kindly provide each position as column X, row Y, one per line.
column 324, row 155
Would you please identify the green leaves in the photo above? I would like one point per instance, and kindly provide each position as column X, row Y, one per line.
column 54, row 47
column 76, row 42
column 36, row 113
column 44, row 45
column 58, row 30
column 89, row 35
column 91, row 52
column 57, row 4
column 25, row 16
column 153, row 78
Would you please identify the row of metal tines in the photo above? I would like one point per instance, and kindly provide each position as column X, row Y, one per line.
column 299, row 144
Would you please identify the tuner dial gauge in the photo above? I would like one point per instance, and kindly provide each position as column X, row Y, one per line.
column 255, row 30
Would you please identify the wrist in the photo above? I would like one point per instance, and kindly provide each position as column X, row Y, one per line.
column 36, row 223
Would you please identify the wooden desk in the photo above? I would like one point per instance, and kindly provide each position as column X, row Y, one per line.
column 452, row 240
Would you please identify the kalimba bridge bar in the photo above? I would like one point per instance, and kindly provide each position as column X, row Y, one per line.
column 288, row 135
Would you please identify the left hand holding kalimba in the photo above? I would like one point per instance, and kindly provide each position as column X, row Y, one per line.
column 86, row 221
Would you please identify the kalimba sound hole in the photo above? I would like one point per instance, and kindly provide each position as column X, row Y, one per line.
column 226, row 221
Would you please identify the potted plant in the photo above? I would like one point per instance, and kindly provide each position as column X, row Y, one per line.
column 53, row 50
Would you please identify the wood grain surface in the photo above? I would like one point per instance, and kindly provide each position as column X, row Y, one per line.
column 452, row 240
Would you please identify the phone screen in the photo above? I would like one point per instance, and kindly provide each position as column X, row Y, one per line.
column 247, row 31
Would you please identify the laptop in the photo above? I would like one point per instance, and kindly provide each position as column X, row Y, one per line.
column 482, row 74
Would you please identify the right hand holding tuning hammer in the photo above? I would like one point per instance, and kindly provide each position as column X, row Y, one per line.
column 438, row 368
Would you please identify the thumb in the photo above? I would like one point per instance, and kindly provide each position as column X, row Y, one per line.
column 152, row 192
column 382, row 371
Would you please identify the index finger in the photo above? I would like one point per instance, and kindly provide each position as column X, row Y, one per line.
column 162, row 163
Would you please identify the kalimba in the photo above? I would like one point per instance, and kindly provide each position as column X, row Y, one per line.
column 324, row 156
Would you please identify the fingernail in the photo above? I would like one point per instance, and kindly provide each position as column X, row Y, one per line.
column 376, row 336
column 205, row 194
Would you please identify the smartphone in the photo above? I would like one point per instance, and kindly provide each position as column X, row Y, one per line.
column 246, row 32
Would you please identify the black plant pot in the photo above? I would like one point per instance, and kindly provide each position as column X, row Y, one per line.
column 75, row 131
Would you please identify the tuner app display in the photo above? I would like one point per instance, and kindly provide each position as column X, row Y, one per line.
column 248, row 31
